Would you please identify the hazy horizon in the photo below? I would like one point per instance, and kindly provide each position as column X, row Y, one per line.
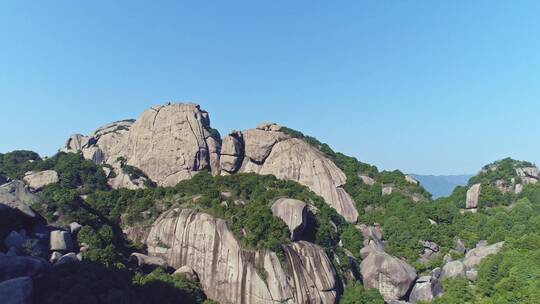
column 425, row 87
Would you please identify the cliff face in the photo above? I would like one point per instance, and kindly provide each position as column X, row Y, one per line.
column 168, row 143
column 173, row 142
column 230, row 274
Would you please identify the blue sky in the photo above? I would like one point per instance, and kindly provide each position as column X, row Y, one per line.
column 438, row 87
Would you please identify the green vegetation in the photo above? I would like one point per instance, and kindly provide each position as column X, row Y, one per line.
column 356, row 294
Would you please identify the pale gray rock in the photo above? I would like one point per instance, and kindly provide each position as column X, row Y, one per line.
column 529, row 175
column 411, row 180
column 232, row 152
column 14, row 195
column 148, row 262
column 475, row 256
column 471, row 275
column 75, row 143
column 294, row 213
column 431, row 250
column 55, row 256
column 17, row 291
column 387, row 190
column 473, row 195
column 169, row 143
column 371, row 247
column 259, row 143
column 454, row 269
column 37, row 180
column 228, row 274
column 367, row 180
column 436, row 273
column 393, row 277
column 61, row 241
column 425, row 290
column 74, row 227
column 297, row 160
column 460, row 246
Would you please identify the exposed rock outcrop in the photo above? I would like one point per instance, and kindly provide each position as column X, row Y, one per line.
column 473, row 195
column 453, row 269
column 475, row 256
column 270, row 152
column 293, row 212
column 169, row 143
column 425, row 289
column 391, row 276
column 38, row 180
column 14, row 195
column 232, row 152
column 230, row 274
column 61, row 240
column 172, row 142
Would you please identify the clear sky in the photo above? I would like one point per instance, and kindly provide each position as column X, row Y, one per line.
column 439, row 87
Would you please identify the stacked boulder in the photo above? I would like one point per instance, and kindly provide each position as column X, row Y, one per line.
column 468, row 266
column 26, row 242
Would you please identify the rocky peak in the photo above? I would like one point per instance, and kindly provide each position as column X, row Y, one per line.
column 172, row 142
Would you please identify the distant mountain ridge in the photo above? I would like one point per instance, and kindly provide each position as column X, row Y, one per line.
column 442, row 185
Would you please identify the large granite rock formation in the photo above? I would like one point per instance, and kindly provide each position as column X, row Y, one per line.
column 230, row 274
column 38, row 180
column 475, row 256
column 273, row 152
column 169, row 143
column 172, row 142
column 293, row 213
column 473, row 194
column 393, row 277
column 15, row 196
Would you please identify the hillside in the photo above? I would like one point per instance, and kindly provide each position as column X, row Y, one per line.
column 163, row 209
column 441, row 185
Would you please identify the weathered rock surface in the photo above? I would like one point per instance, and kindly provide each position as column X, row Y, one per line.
column 411, row 180
column 169, row 143
column 232, row 152
column 148, row 262
column 37, row 180
column 475, row 256
column 453, row 269
column 367, row 180
column 529, row 175
column 425, row 290
column 387, row 190
column 173, row 142
column 17, row 291
column 297, row 160
column 229, row 274
column 61, row 241
column 390, row 275
column 293, row 212
column 473, row 195
column 14, row 195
